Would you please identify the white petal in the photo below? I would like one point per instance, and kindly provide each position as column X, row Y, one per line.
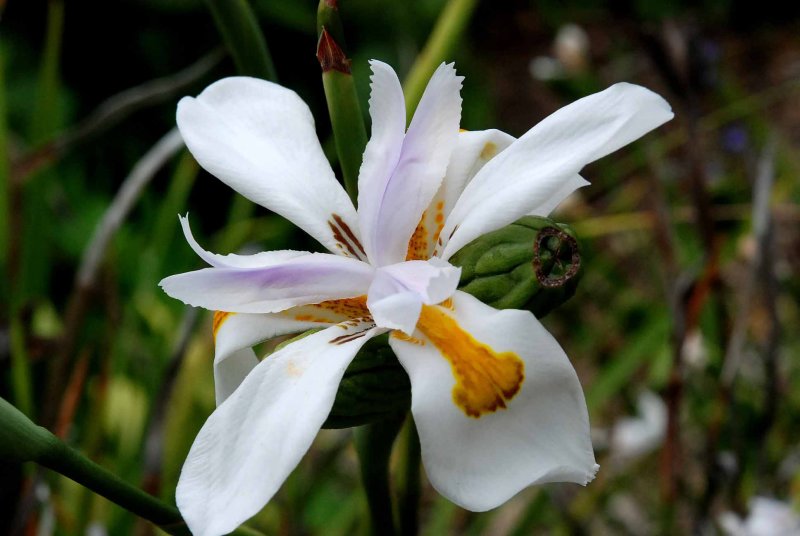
column 234, row 336
column 258, row 260
column 397, row 311
column 399, row 290
column 259, row 139
column 400, row 174
column 473, row 150
column 564, row 191
column 533, row 170
column 312, row 278
column 251, row 443
column 541, row 436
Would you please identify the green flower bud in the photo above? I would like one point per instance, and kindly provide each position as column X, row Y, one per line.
column 532, row 264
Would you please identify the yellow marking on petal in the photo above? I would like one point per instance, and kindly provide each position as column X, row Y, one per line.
column 219, row 318
column 486, row 380
column 463, row 130
column 448, row 304
column 489, row 150
column 294, row 370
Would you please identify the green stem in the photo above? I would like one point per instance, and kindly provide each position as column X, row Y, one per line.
column 243, row 38
column 374, row 446
column 440, row 47
column 68, row 462
column 409, row 481
column 23, row 441
column 20, row 365
column 344, row 109
column 45, row 118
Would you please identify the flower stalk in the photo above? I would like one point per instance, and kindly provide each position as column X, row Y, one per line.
column 347, row 120
column 408, row 481
column 439, row 47
column 374, row 446
column 23, row 441
column 243, row 38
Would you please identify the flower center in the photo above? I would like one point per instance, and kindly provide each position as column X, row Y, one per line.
column 486, row 380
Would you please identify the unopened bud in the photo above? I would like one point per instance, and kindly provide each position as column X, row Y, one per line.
column 532, row 264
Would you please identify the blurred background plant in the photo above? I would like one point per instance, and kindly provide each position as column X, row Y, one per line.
column 683, row 330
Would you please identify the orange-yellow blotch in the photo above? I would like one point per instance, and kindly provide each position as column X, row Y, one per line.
column 427, row 233
column 486, row 380
column 418, row 243
column 219, row 318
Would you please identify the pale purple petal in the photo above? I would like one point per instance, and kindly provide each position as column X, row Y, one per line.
column 258, row 260
column 399, row 290
column 397, row 182
column 313, row 278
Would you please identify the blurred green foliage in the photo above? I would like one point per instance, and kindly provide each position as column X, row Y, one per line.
column 658, row 308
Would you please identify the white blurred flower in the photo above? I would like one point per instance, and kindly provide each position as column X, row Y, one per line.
column 768, row 517
column 635, row 436
column 571, row 55
column 571, row 48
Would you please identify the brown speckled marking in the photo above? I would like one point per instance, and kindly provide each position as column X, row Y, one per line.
column 345, row 238
column 342, row 339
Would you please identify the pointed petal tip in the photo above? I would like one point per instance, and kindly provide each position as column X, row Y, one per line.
column 591, row 474
column 650, row 97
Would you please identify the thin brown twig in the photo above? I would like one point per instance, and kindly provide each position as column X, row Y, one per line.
column 154, row 435
column 671, row 53
column 110, row 113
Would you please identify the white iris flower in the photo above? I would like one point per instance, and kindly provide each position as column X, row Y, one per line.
column 496, row 402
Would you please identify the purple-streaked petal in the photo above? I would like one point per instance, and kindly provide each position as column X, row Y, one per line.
column 399, row 290
column 400, row 174
column 312, row 278
column 258, row 260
